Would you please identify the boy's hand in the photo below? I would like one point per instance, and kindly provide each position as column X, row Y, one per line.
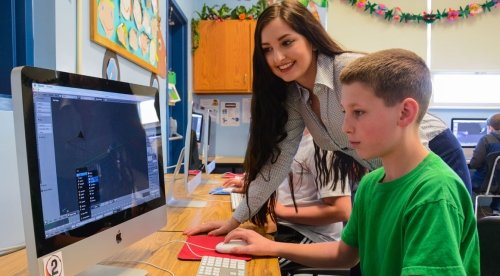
column 257, row 244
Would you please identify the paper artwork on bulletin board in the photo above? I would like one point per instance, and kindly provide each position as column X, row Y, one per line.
column 212, row 104
column 173, row 95
column 230, row 114
column 131, row 28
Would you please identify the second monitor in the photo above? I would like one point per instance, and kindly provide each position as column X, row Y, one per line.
column 468, row 130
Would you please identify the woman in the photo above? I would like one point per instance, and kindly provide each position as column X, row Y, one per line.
column 296, row 84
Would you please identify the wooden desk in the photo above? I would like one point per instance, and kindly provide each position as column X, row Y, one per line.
column 150, row 249
column 218, row 206
column 229, row 163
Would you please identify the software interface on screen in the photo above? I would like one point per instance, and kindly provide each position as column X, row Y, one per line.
column 468, row 131
column 92, row 164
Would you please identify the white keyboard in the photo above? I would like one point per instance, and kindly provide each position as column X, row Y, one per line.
column 210, row 265
column 236, row 198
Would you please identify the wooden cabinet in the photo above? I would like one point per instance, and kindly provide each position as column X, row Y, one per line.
column 223, row 61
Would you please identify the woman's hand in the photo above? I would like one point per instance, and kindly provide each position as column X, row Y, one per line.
column 214, row 228
column 236, row 183
column 257, row 244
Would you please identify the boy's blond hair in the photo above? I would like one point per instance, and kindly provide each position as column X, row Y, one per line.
column 394, row 75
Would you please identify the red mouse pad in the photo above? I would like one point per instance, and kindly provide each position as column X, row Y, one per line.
column 207, row 242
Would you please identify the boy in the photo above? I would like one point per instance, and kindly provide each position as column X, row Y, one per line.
column 487, row 144
column 413, row 216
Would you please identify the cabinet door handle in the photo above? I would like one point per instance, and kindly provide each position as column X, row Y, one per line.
column 245, row 78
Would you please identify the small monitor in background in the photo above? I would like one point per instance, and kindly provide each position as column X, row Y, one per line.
column 468, row 130
column 197, row 125
column 90, row 168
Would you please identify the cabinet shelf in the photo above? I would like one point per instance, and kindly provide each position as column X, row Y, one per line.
column 223, row 61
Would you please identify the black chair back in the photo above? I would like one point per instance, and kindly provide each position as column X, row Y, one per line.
column 490, row 160
column 489, row 244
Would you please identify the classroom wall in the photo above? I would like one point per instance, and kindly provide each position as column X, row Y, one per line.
column 55, row 32
column 455, row 52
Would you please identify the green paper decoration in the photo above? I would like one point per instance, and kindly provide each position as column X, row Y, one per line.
column 396, row 14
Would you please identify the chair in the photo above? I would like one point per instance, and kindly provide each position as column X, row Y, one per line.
column 489, row 243
column 492, row 159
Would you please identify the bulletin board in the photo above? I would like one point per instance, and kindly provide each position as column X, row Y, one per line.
column 131, row 28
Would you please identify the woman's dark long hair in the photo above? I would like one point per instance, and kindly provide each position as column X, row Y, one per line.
column 344, row 169
column 268, row 110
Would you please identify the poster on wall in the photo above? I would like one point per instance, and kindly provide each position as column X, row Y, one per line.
column 230, row 114
column 131, row 28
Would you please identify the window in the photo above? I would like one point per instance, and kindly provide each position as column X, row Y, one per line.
column 466, row 90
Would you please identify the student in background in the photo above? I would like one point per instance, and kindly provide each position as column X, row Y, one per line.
column 487, row 144
column 413, row 216
column 311, row 206
column 296, row 84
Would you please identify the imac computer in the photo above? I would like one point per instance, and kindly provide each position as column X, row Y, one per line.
column 90, row 169
column 468, row 130
column 189, row 160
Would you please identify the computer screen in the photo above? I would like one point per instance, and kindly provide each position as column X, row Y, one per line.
column 197, row 125
column 90, row 167
column 468, row 130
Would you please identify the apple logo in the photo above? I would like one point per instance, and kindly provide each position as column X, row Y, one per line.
column 118, row 237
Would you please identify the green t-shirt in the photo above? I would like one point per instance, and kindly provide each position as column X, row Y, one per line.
column 420, row 224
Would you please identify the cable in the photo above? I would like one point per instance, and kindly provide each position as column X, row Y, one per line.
column 12, row 249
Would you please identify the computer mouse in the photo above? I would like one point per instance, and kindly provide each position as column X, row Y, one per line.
column 223, row 247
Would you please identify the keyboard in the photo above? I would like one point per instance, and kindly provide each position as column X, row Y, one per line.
column 210, row 265
column 236, row 198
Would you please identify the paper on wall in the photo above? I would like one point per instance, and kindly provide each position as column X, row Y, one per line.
column 230, row 114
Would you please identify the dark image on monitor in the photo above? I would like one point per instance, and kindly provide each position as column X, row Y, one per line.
column 468, row 130
column 197, row 125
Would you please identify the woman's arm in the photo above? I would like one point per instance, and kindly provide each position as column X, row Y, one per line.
column 329, row 210
column 267, row 181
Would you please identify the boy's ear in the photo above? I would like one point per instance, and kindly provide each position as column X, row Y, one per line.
column 409, row 111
